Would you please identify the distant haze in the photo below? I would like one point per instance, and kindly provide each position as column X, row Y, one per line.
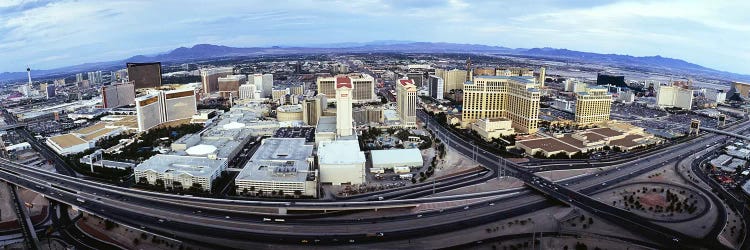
column 49, row 34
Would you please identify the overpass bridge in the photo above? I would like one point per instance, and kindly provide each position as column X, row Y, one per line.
column 722, row 132
column 12, row 126
column 31, row 241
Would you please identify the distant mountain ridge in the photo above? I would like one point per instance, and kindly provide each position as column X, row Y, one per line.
column 209, row 51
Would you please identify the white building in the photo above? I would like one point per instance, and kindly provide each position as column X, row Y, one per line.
column 282, row 166
column 574, row 85
column 390, row 159
column 341, row 162
column 436, row 87
column 249, row 92
column 717, row 96
column 626, row 97
column 184, row 171
column 674, row 96
column 344, row 120
column 264, row 83
column 564, row 105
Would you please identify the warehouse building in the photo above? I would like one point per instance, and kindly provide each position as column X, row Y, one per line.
column 390, row 159
column 341, row 162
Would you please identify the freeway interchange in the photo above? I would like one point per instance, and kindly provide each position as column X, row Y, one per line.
column 219, row 223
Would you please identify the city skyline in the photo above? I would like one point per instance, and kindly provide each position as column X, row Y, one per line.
column 84, row 32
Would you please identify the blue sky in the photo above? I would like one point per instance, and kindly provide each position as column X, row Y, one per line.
column 48, row 34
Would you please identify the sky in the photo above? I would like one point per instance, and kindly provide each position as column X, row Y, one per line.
column 49, row 34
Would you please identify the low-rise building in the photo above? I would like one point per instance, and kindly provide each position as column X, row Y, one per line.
column 287, row 113
column 622, row 137
column 175, row 171
column 491, row 128
column 390, row 159
column 85, row 138
column 341, row 162
column 283, row 166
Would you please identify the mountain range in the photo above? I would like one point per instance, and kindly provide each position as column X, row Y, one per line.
column 209, row 51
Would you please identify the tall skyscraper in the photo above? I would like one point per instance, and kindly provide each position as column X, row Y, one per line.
column 593, row 106
column 311, row 110
column 230, row 85
column 159, row 107
column 740, row 88
column 344, row 118
column 79, row 77
column 674, row 96
column 264, row 82
column 95, row 77
column 47, row 89
column 452, row 79
column 515, row 98
column 145, row 75
column 363, row 86
column 118, row 95
column 435, row 87
column 210, row 78
column 541, row 76
column 248, row 91
column 406, row 102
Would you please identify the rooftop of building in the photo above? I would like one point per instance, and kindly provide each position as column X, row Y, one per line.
column 177, row 165
column 396, row 156
column 548, row 144
column 232, row 78
column 521, row 79
column 289, row 108
column 279, row 159
column 606, row 132
column 340, row 152
column 67, row 140
column 326, row 124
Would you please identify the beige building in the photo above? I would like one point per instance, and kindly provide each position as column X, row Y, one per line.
column 363, row 86
column 229, row 86
column 514, row 71
column 311, row 110
column 491, row 128
column 210, row 78
column 406, row 102
column 287, row 113
column 741, row 88
column 513, row 97
column 279, row 95
column 452, row 79
column 593, row 106
column 297, row 90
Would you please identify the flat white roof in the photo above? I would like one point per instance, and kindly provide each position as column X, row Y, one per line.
column 396, row 156
column 201, row 149
column 340, row 152
column 175, row 164
column 326, row 124
column 279, row 159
